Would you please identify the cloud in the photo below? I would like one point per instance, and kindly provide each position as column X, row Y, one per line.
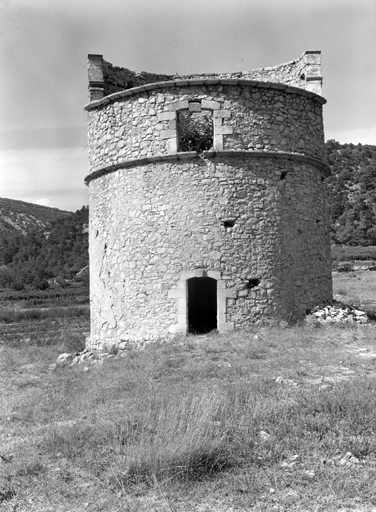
column 56, row 174
column 362, row 135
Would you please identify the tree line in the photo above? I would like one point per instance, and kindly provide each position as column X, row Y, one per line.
column 58, row 251
column 352, row 193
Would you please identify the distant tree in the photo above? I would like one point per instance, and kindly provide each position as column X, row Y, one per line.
column 352, row 192
column 60, row 249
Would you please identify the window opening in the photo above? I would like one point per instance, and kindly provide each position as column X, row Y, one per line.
column 202, row 304
column 252, row 283
column 229, row 223
column 195, row 130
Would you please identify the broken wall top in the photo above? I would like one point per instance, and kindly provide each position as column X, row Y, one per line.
column 303, row 73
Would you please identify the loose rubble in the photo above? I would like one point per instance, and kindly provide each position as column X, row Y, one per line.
column 88, row 358
column 338, row 312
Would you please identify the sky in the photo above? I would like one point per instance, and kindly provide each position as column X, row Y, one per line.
column 43, row 61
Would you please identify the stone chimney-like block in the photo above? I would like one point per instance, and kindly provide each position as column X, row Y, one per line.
column 96, row 77
column 313, row 71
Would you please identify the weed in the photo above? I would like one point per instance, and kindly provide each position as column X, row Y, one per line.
column 194, row 421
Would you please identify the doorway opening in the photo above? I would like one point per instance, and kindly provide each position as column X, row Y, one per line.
column 202, row 304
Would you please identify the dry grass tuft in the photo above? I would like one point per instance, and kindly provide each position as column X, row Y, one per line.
column 263, row 420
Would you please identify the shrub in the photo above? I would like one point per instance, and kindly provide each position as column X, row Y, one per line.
column 195, row 131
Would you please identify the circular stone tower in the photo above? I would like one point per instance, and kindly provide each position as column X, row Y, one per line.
column 208, row 202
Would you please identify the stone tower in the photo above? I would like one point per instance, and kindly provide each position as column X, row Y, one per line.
column 208, row 202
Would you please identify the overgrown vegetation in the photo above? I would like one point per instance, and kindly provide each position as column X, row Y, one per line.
column 58, row 251
column 272, row 419
column 56, row 244
column 9, row 316
column 350, row 253
column 195, row 131
column 24, row 217
column 352, row 188
column 75, row 294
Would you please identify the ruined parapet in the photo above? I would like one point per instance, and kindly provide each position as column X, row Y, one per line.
column 233, row 230
column 106, row 79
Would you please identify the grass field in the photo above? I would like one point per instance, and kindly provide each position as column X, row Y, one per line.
column 268, row 420
column 52, row 297
column 349, row 253
column 356, row 288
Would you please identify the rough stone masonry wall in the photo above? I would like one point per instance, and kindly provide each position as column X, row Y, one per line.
column 249, row 118
column 252, row 209
column 106, row 79
column 152, row 223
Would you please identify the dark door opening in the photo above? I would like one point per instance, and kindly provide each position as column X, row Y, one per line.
column 202, row 304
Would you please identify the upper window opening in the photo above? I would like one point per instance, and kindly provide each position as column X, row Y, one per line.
column 195, row 130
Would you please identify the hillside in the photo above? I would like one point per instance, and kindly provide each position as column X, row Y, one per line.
column 352, row 192
column 39, row 243
column 22, row 218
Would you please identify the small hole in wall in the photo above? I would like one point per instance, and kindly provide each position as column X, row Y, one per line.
column 318, row 221
column 302, row 76
column 283, row 175
column 252, row 283
column 229, row 223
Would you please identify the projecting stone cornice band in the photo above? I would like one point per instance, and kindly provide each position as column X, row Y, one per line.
column 196, row 82
column 319, row 164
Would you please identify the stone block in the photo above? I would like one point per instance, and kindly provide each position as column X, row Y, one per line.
column 188, row 274
column 195, row 81
column 225, row 327
column 313, row 70
column 228, row 293
column 214, row 274
column 182, row 318
column 194, row 106
column 314, row 86
column 175, row 293
column 166, row 116
column 172, row 145
column 224, row 130
column 177, row 329
column 178, row 105
column 181, row 83
column 167, row 134
column 211, row 105
column 313, row 56
column 222, row 114
column 182, row 306
column 218, row 142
